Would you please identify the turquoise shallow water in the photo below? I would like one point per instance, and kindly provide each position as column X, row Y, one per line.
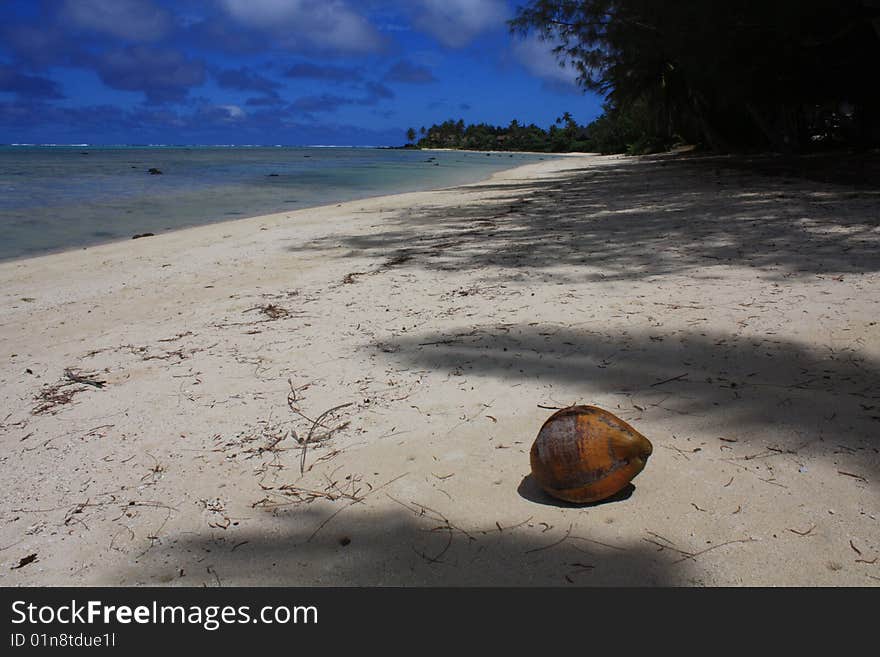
column 63, row 197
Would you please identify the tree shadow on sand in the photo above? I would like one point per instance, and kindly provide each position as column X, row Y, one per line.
column 631, row 219
column 398, row 548
column 775, row 396
column 783, row 393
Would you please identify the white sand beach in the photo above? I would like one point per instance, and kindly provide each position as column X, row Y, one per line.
column 157, row 393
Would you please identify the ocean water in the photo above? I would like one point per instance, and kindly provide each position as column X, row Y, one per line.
column 54, row 198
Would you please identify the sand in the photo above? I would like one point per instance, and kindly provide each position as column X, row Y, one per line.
column 157, row 393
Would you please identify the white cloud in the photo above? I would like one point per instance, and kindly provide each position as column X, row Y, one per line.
column 322, row 24
column 537, row 56
column 132, row 20
column 233, row 111
column 456, row 22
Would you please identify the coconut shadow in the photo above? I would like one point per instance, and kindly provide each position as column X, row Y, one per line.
column 530, row 490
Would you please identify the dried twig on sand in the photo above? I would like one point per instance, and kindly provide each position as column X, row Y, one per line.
column 394, row 261
column 349, row 278
column 264, row 438
column 271, row 311
column 853, row 475
column 802, row 533
column 75, row 376
column 292, row 494
column 423, row 511
column 693, row 555
column 669, row 380
column 63, row 391
column 305, row 443
column 350, row 503
column 311, row 438
column 554, row 543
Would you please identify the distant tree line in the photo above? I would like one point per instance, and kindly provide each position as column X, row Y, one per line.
column 783, row 75
column 565, row 135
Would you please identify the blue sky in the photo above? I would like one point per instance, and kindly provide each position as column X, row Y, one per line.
column 269, row 71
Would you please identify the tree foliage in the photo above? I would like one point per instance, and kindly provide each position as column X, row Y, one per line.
column 565, row 135
column 739, row 74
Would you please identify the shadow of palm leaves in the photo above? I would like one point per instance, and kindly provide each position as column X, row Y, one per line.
column 631, row 219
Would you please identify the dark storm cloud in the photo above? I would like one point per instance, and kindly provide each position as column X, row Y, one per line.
column 74, row 32
column 374, row 92
column 269, row 100
column 409, row 73
column 36, row 46
column 163, row 75
column 246, row 79
column 23, row 118
column 323, row 72
column 219, row 34
column 28, row 86
column 87, row 123
column 128, row 20
column 321, row 103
